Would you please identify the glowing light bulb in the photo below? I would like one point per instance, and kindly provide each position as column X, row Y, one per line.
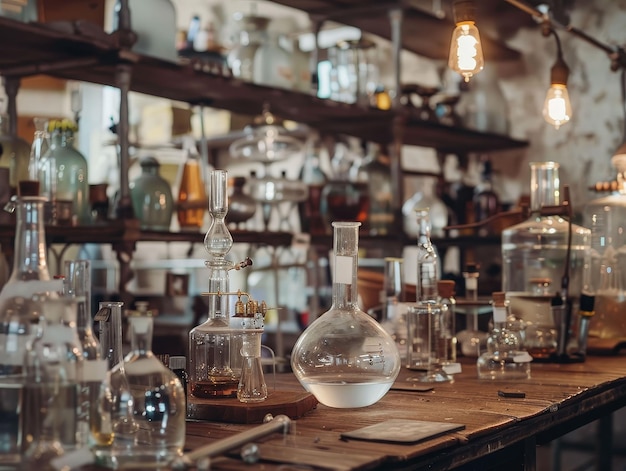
column 466, row 52
column 557, row 109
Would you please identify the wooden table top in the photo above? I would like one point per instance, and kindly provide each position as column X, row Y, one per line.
column 558, row 398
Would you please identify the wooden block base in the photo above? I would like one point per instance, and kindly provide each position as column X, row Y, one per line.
column 290, row 403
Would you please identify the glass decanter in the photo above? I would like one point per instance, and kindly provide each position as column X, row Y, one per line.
column 152, row 198
column 505, row 358
column 149, row 430
column 210, row 372
column 345, row 358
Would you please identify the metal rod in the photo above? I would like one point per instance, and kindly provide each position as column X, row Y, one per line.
column 278, row 423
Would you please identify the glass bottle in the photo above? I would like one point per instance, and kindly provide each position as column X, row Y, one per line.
column 311, row 219
column 505, row 358
column 210, row 372
column 345, row 358
column 472, row 339
column 250, row 35
column 53, row 365
column 152, row 433
column 425, row 197
column 486, row 201
column 14, row 152
column 70, row 168
column 376, row 172
column 252, row 386
column 427, row 259
column 192, row 201
column 606, row 260
column 151, row 196
column 241, row 205
column 534, row 255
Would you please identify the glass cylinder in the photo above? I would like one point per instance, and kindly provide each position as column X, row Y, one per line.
column 71, row 171
column 14, row 153
column 151, row 196
column 148, row 431
column 427, row 259
column 109, row 319
column 54, row 366
column 252, row 386
column 446, row 340
column 534, row 255
column 605, row 267
column 345, row 358
column 192, row 201
column 210, row 372
column 505, row 358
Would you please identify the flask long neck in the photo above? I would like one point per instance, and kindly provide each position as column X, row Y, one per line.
column 30, row 260
column 345, row 267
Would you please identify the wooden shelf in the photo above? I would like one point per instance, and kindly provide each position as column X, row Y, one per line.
column 86, row 54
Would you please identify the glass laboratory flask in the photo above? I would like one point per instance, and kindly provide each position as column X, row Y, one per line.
column 14, row 152
column 53, row 365
column 345, row 358
column 152, row 433
column 505, row 358
column 70, row 168
column 605, row 269
column 192, row 201
column 534, row 255
column 210, row 372
column 151, row 196
column 428, row 272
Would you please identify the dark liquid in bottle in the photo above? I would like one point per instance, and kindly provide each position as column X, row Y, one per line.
column 218, row 387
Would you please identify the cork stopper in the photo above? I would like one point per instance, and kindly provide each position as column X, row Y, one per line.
column 499, row 298
column 445, row 288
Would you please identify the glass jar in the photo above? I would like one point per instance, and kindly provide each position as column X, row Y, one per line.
column 192, row 200
column 345, row 358
column 273, row 63
column 151, row 196
column 70, row 168
column 14, row 152
column 534, row 255
column 250, row 34
column 605, row 268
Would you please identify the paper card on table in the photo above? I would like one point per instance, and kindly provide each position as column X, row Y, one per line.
column 402, row 431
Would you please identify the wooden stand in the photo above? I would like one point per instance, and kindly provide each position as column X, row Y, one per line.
column 293, row 404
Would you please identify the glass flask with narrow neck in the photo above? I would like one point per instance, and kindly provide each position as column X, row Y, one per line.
column 252, row 386
column 152, row 198
column 152, row 433
column 192, row 201
column 210, row 371
column 427, row 259
column 606, row 260
column 345, row 358
column 534, row 255
column 505, row 358
column 53, row 365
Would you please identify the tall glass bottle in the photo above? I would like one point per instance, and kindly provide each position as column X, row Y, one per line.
column 534, row 255
column 14, row 152
column 606, row 261
column 210, row 372
column 486, row 201
column 153, row 434
column 427, row 259
column 505, row 358
column 345, row 358
column 192, row 201
column 311, row 218
column 70, row 168
column 53, row 364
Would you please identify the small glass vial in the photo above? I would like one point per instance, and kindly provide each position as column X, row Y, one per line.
column 505, row 358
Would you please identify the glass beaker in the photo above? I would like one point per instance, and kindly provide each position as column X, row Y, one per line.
column 345, row 358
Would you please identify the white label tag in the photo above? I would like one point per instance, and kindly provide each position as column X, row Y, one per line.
column 343, row 269
column 499, row 314
column 471, row 283
column 452, row 368
column 522, row 357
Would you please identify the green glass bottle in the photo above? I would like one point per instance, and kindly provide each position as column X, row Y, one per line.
column 14, row 153
column 152, row 197
column 70, row 168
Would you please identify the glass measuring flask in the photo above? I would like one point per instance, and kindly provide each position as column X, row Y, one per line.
column 252, row 386
column 345, row 358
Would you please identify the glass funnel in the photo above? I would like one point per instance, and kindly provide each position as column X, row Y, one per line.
column 345, row 358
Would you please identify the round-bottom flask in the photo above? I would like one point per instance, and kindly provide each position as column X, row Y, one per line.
column 345, row 358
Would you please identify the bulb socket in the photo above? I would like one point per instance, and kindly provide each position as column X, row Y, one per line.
column 559, row 72
column 464, row 10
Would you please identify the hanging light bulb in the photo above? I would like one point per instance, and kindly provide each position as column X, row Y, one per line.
column 466, row 52
column 557, row 109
